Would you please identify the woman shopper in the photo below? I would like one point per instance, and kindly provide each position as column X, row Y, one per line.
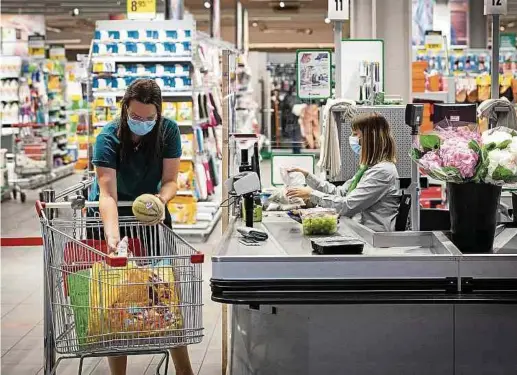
column 136, row 154
column 373, row 191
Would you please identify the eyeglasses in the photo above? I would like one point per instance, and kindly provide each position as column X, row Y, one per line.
column 139, row 118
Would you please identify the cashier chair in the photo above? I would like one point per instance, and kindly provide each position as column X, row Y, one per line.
column 401, row 222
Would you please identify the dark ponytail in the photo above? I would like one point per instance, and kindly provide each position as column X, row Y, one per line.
column 145, row 91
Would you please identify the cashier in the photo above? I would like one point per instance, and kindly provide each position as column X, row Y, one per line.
column 373, row 192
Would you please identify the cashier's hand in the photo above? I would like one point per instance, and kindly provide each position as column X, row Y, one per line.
column 299, row 192
column 297, row 169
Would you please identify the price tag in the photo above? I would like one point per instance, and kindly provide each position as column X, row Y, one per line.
column 433, row 40
column 37, row 46
column 338, row 10
column 496, row 7
column 141, row 9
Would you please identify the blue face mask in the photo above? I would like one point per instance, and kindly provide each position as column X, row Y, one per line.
column 354, row 144
column 140, row 127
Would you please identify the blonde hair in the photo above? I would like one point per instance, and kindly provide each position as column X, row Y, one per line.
column 377, row 143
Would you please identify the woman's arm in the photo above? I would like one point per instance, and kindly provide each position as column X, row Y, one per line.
column 325, row 186
column 373, row 186
column 107, row 179
column 169, row 185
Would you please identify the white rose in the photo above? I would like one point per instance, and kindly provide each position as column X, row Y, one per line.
column 513, row 146
column 503, row 158
column 496, row 137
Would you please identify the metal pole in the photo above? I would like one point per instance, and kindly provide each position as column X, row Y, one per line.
column 174, row 9
column 415, row 193
column 226, row 211
column 215, row 19
column 48, row 328
column 338, row 36
column 238, row 25
column 495, row 57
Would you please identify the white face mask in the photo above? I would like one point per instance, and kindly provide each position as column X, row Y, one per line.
column 354, row 144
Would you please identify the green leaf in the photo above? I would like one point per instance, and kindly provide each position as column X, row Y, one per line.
column 474, row 146
column 430, row 141
column 491, row 146
column 502, row 174
column 504, row 144
column 415, row 154
column 513, row 133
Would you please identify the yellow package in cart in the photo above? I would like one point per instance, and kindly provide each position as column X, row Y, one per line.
column 183, row 210
column 184, row 111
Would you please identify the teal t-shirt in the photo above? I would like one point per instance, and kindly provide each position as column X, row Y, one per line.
column 135, row 176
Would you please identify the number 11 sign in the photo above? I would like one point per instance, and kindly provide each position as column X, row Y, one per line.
column 337, row 10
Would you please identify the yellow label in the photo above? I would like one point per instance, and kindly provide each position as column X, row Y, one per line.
column 433, row 47
column 138, row 8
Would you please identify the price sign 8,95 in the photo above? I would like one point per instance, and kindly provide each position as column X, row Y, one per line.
column 141, row 9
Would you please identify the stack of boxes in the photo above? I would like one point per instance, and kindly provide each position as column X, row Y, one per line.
column 418, row 76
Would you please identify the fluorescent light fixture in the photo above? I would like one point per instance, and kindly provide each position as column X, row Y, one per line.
column 254, row 24
column 207, row 4
column 511, row 24
column 282, row 4
column 502, row 28
column 327, row 20
column 75, row 12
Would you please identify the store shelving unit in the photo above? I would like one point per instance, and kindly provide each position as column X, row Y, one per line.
column 117, row 57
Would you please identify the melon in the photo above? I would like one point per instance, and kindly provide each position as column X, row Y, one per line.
column 148, row 209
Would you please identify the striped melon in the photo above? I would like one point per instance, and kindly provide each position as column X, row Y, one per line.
column 148, row 209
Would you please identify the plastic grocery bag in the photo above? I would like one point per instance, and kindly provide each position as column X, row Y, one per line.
column 278, row 201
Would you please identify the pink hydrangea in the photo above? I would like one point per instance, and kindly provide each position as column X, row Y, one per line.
column 454, row 152
column 430, row 161
column 459, row 134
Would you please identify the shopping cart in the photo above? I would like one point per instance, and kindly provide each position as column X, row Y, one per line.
column 99, row 305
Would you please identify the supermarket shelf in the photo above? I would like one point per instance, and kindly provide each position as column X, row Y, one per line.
column 165, row 94
column 45, row 179
column 59, row 134
column 189, row 123
column 187, row 158
column 201, row 228
column 9, row 76
column 9, row 131
column 153, row 59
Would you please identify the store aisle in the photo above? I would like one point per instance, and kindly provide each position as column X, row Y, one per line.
column 22, row 304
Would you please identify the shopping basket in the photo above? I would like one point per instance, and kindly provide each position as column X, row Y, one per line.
column 102, row 305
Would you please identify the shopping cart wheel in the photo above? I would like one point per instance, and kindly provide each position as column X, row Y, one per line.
column 14, row 193
column 23, row 197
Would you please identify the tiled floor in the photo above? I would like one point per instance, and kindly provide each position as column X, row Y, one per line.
column 22, row 304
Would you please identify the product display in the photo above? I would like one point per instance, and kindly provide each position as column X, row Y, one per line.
column 317, row 221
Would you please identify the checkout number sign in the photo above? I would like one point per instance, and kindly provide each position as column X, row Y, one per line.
column 141, row 9
column 338, row 10
column 496, row 7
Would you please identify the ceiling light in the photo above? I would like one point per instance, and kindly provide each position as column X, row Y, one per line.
column 501, row 28
column 511, row 24
column 75, row 12
column 327, row 20
column 254, row 24
column 282, row 4
column 308, row 31
column 207, row 4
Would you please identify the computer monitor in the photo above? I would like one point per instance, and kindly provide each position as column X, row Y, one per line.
column 465, row 113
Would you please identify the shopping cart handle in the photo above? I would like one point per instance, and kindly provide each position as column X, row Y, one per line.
column 39, row 207
column 115, row 261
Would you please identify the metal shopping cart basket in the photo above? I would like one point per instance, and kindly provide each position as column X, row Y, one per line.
column 99, row 305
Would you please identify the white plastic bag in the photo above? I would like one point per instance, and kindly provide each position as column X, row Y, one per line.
column 279, row 200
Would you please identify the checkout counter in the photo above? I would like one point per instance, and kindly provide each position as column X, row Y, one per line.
column 410, row 304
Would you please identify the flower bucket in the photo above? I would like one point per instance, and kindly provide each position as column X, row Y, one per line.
column 473, row 209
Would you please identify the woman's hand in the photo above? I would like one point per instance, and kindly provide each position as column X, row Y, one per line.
column 297, row 169
column 299, row 192
column 112, row 245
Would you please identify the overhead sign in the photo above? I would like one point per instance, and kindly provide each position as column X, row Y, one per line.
column 338, row 10
column 141, row 9
column 433, row 40
column 57, row 52
column 37, row 46
column 314, row 73
column 496, row 7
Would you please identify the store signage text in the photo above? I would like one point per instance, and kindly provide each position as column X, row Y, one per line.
column 338, row 10
column 141, row 9
column 496, row 7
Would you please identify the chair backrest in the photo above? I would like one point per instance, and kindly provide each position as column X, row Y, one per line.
column 403, row 213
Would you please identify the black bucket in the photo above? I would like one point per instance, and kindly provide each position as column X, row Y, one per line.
column 473, row 209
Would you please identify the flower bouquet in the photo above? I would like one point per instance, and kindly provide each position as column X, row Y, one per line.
column 474, row 166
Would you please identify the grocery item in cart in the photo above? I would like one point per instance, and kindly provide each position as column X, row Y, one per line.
column 148, row 209
column 116, row 303
column 319, row 221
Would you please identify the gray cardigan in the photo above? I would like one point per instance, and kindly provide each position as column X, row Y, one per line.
column 376, row 197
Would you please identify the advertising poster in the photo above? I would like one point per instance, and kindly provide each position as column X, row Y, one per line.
column 314, row 72
column 37, row 46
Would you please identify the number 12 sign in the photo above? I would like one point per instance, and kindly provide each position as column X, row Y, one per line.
column 496, row 7
column 338, row 10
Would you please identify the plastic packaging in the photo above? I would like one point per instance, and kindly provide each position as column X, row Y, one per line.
column 122, row 247
column 338, row 245
column 319, row 221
